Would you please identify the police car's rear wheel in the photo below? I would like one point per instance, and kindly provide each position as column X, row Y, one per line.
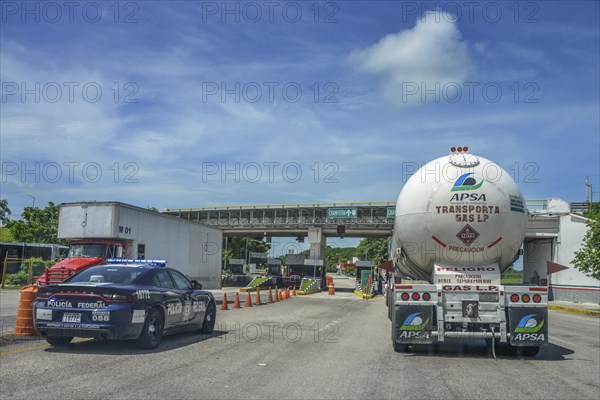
column 209, row 319
column 58, row 341
column 153, row 330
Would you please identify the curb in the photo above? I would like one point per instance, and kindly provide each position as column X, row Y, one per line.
column 308, row 292
column 574, row 310
column 363, row 296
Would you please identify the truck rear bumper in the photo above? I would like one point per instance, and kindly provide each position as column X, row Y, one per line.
column 425, row 324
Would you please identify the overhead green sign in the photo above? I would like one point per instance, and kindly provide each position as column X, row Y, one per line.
column 342, row 212
column 391, row 212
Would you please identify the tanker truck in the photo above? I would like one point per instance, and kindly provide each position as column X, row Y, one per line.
column 460, row 222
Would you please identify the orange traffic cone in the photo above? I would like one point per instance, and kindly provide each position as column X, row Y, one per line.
column 286, row 293
column 224, row 303
column 276, row 294
column 258, row 303
column 248, row 301
column 270, row 295
column 24, row 325
column 236, row 302
column 279, row 298
column 294, row 291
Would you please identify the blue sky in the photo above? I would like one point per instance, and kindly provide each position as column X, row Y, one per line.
column 193, row 104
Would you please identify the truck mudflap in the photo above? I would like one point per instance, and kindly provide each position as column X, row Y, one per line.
column 528, row 326
column 413, row 324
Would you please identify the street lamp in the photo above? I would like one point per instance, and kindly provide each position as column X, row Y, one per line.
column 33, row 198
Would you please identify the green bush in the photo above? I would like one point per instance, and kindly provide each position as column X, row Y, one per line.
column 38, row 266
column 19, row 279
column 19, row 274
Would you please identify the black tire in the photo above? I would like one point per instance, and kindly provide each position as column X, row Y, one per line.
column 399, row 347
column 510, row 350
column 208, row 325
column 529, row 351
column 152, row 332
column 59, row 341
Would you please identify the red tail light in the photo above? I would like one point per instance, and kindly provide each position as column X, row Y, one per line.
column 416, row 296
column 117, row 298
column 514, row 298
column 43, row 294
column 537, row 298
column 525, row 298
column 404, row 296
column 426, row 296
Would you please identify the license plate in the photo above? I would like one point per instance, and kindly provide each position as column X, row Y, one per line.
column 71, row 317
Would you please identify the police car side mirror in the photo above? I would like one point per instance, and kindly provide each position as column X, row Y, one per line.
column 196, row 285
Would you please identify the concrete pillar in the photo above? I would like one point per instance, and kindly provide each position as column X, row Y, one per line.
column 316, row 239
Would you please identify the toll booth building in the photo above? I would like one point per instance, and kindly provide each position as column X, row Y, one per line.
column 364, row 278
column 554, row 234
column 300, row 267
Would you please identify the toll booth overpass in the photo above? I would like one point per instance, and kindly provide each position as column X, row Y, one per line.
column 315, row 220
column 362, row 219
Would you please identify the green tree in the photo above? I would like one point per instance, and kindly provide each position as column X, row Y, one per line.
column 587, row 259
column 237, row 246
column 36, row 225
column 336, row 255
column 4, row 212
column 372, row 249
column 5, row 235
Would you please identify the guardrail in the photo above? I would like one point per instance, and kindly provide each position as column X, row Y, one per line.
column 532, row 204
column 297, row 205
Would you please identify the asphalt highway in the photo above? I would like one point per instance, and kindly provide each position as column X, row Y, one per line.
column 310, row 347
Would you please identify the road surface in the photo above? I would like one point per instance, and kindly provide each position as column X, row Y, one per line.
column 317, row 346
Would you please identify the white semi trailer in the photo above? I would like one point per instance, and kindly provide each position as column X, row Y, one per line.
column 460, row 222
column 100, row 230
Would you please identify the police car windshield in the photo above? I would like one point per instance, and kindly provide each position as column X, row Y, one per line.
column 122, row 275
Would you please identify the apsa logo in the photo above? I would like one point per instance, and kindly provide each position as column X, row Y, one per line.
column 528, row 330
column 414, row 322
column 466, row 182
column 529, row 324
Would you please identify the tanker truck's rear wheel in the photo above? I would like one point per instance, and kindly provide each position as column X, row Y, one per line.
column 529, row 351
column 399, row 347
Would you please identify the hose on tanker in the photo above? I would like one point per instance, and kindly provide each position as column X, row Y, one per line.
column 493, row 344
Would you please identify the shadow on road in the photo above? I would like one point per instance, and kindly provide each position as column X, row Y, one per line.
column 474, row 349
column 112, row 347
column 344, row 290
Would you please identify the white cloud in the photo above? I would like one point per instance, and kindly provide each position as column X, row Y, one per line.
column 432, row 53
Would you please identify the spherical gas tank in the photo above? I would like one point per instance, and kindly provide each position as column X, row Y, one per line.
column 459, row 209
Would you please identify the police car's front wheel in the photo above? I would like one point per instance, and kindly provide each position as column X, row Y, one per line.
column 209, row 319
column 58, row 341
column 153, row 330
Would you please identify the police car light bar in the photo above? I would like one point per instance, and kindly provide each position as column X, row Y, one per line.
column 158, row 263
